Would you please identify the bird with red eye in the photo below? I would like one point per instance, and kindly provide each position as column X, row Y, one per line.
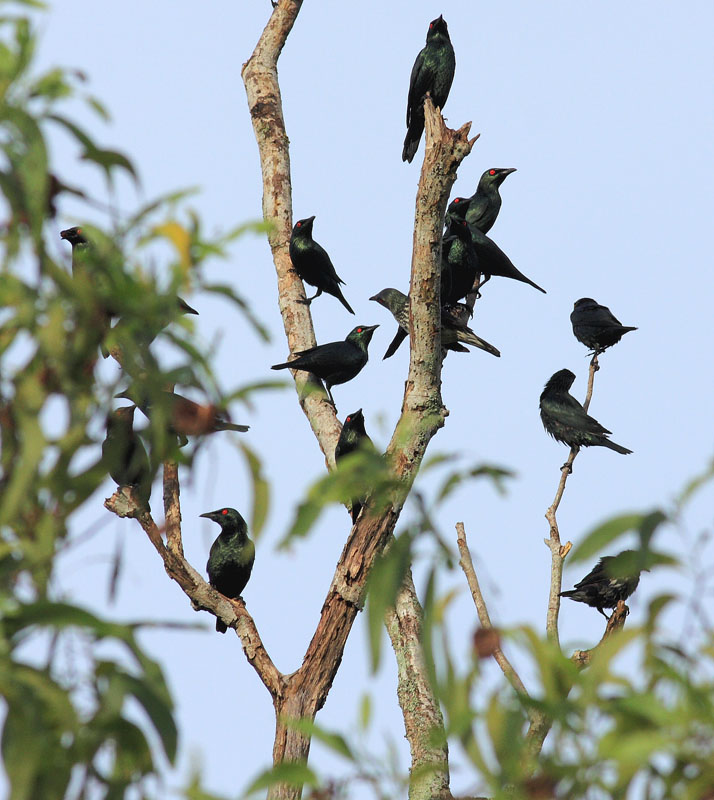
column 485, row 203
column 433, row 73
column 353, row 437
column 335, row 362
column 313, row 265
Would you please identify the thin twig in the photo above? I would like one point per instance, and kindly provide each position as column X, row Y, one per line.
column 558, row 551
column 467, row 565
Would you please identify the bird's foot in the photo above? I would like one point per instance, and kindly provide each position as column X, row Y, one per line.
column 567, row 466
column 306, row 301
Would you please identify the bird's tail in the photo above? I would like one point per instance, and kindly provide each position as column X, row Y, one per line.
column 341, row 298
column 222, row 425
column 412, row 139
column 618, row 448
column 469, row 337
column 524, row 279
column 221, row 626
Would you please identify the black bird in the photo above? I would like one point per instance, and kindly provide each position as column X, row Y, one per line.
column 596, row 326
column 453, row 332
column 485, row 204
column 491, row 259
column 231, row 558
column 353, row 436
column 335, row 362
column 313, row 265
column 612, row 579
column 80, row 257
column 566, row 420
column 459, row 263
column 185, row 418
column 124, row 454
column 433, row 72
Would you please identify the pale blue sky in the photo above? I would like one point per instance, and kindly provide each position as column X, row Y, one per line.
column 605, row 109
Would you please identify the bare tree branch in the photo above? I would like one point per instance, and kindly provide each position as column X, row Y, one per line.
column 558, row 551
column 468, row 567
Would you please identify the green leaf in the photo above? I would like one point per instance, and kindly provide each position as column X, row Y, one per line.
column 292, row 774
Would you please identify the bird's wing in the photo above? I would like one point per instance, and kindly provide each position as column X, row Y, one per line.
column 417, row 84
column 326, row 264
column 568, row 411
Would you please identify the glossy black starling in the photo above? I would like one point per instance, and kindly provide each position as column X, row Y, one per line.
column 186, row 417
column 433, row 72
column 353, row 436
column 335, row 362
column 454, row 333
column 459, row 263
column 596, row 326
column 124, row 454
column 313, row 265
column 485, row 204
column 491, row 259
column 613, row 578
column 566, row 420
column 231, row 558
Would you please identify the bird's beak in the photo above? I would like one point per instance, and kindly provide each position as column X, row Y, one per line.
column 508, row 171
column 376, row 298
column 310, row 219
column 371, row 327
column 208, row 515
column 64, row 234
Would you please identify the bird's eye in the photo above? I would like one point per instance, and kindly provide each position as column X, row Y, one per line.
column 492, row 172
column 349, row 419
column 299, row 225
column 431, row 25
column 359, row 330
column 458, row 200
column 224, row 512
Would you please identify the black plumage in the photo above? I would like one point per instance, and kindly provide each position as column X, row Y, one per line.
column 567, row 421
column 596, row 326
column 491, row 259
column 433, row 72
column 485, row 203
column 335, row 362
column 230, row 561
column 612, row 579
column 454, row 333
column 124, row 455
column 353, row 437
column 459, row 262
column 312, row 263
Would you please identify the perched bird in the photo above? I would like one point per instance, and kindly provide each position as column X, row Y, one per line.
column 485, row 203
column 566, row 420
column 124, row 454
column 454, row 333
column 335, row 362
column 433, row 72
column 231, row 558
column 612, row 579
column 186, row 418
column 313, row 265
column 491, row 259
column 596, row 326
column 353, row 436
column 459, row 263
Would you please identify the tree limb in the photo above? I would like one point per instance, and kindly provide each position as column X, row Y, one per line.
column 467, row 566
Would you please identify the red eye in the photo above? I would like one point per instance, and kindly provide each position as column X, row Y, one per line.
column 458, row 200
column 359, row 330
column 299, row 225
column 349, row 419
column 431, row 25
column 492, row 172
column 224, row 512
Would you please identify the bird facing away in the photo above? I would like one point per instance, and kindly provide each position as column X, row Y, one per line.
column 459, row 263
column 186, row 417
column 313, row 265
column 485, row 203
column 567, row 421
column 124, row 454
column 596, row 326
column 612, row 579
column 231, row 558
column 491, row 259
column 453, row 332
column 353, row 436
column 433, row 72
